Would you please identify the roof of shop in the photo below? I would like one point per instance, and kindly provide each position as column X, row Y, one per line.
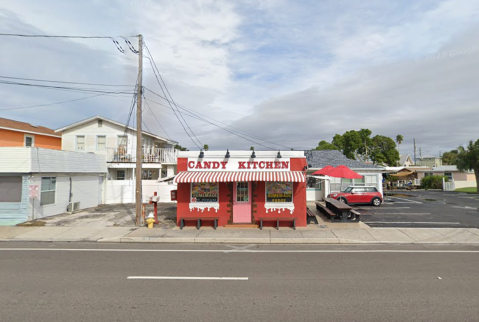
column 318, row 159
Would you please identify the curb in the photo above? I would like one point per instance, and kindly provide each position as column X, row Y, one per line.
column 264, row 241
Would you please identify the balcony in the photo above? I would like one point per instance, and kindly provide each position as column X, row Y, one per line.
column 149, row 155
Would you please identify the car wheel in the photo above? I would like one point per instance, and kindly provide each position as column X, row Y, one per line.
column 376, row 202
column 343, row 200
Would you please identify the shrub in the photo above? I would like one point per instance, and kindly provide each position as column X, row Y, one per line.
column 433, row 182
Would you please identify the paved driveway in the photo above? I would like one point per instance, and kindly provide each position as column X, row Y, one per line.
column 424, row 208
column 118, row 215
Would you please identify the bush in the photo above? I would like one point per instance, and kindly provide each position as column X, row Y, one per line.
column 433, row 182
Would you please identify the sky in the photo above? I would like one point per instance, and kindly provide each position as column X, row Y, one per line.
column 272, row 74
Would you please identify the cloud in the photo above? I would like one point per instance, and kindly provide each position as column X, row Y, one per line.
column 293, row 73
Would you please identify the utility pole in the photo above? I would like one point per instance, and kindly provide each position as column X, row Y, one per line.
column 414, row 151
column 139, row 136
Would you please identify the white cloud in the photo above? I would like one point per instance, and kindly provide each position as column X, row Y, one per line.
column 291, row 72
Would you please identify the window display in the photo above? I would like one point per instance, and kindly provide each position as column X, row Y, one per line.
column 279, row 192
column 204, row 192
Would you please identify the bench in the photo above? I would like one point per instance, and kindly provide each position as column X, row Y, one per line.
column 198, row 224
column 325, row 211
column 277, row 221
column 310, row 217
column 342, row 210
column 355, row 215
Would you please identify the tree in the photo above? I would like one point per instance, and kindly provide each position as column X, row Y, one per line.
column 179, row 147
column 251, row 148
column 383, row 150
column 468, row 159
column 399, row 139
column 348, row 143
column 323, row 145
column 206, row 147
column 450, row 158
column 363, row 150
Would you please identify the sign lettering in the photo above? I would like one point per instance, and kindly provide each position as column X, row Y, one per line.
column 240, row 165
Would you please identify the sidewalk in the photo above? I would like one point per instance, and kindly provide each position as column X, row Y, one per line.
column 244, row 236
column 97, row 228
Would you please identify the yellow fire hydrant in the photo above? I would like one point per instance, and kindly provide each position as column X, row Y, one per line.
column 150, row 220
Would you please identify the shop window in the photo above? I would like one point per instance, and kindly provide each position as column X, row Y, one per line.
column 48, row 190
column 10, row 189
column 371, row 180
column 359, row 182
column 204, row 192
column 314, row 183
column 279, row 192
column 120, row 174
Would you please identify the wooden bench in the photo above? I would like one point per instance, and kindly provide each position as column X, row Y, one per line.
column 342, row 210
column 325, row 211
column 198, row 224
column 310, row 217
column 355, row 215
column 277, row 221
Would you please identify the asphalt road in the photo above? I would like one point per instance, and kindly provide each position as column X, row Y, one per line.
column 424, row 209
column 66, row 282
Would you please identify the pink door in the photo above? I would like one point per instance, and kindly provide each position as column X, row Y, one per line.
column 242, row 202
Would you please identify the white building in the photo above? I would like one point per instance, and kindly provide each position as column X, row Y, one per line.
column 36, row 182
column 319, row 187
column 117, row 143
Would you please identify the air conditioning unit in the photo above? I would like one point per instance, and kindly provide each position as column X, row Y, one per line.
column 73, row 207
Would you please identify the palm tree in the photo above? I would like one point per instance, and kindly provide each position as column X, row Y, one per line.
column 399, row 139
column 206, row 147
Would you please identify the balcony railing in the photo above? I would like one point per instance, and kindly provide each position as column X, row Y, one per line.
column 149, row 155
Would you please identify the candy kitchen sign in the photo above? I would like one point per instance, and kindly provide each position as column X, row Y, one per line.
column 239, row 165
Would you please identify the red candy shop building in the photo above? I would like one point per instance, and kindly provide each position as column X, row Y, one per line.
column 241, row 188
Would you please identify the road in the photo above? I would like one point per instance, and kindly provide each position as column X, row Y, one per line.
column 424, row 209
column 90, row 282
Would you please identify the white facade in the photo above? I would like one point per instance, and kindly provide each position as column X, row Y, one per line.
column 325, row 185
column 123, row 191
column 85, row 190
column 45, row 182
column 118, row 144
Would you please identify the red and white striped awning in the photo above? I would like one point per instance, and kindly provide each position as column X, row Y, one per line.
column 238, row 176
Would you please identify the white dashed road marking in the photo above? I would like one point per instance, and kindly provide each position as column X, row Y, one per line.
column 207, row 278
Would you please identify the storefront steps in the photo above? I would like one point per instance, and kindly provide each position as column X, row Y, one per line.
column 241, row 226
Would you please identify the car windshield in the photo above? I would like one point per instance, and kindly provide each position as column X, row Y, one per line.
column 348, row 189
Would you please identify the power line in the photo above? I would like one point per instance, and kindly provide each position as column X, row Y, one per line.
column 154, row 67
column 66, row 88
column 65, row 36
column 202, row 119
column 227, row 125
column 153, row 113
column 197, row 116
column 49, row 104
column 63, row 82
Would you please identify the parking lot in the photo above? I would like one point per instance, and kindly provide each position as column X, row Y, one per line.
column 424, row 209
